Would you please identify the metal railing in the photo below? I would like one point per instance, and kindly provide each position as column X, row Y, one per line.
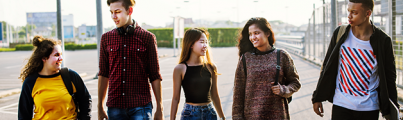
column 314, row 44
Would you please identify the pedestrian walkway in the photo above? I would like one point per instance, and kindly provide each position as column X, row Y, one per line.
column 301, row 105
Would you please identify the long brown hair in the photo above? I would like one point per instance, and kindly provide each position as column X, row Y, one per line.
column 244, row 44
column 191, row 36
column 43, row 47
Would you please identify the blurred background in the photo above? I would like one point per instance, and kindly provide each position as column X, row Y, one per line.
column 302, row 27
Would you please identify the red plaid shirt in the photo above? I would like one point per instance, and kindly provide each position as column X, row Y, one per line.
column 129, row 61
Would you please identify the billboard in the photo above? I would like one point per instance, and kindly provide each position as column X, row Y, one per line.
column 42, row 19
column 91, row 31
column 68, row 31
column 82, row 31
column 1, row 31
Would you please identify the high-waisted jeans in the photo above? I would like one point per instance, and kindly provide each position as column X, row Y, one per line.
column 205, row 112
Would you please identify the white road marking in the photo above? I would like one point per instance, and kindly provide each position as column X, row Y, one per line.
column 2, row 109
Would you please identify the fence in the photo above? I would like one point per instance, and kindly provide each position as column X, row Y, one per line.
column 313, row 45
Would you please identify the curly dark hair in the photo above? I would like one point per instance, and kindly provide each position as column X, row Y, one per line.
column 43, row 47
column 244, row 44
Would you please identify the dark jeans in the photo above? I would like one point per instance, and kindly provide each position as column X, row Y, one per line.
column 137, row 113
column 205, row 112
column 341, row 113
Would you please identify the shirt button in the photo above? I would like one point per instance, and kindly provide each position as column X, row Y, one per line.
column 124, row 57
column 124, row 45
column 124, row 69
column 111, row 49
column 123, row 81
column 138, row 49
column 123, row 93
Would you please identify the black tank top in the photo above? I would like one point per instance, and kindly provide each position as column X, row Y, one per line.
column 197, row 84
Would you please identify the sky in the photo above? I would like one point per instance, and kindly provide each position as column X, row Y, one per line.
column 160, row 12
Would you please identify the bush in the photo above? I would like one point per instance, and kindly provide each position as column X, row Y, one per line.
column 79, row 46
column 219, row 37
column 24, row 47
column 164, row 36
column 6, row 49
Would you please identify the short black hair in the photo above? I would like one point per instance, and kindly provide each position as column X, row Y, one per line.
column 368, row 4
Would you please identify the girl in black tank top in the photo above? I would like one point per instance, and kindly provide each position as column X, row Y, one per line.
column 197, row 75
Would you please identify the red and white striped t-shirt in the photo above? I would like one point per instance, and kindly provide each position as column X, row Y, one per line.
column 357, row 79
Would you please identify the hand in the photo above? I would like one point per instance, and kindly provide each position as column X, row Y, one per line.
column 158, row 115
column 102, row 114
column 276, row 89
column 318, row 108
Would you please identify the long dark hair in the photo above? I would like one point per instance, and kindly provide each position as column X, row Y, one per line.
column 244, row 44
column 191, row 36
column 43, row 47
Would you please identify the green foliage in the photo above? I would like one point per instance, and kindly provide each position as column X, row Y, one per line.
column 223, row 37
column 164, row 36
column 219, row 37
column 6, row 49
column 24, row 47
column 71, row 46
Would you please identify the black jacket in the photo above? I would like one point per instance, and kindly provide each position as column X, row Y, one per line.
column 383, row 49
column 82, row 97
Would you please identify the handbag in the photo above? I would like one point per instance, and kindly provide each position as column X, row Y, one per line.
column 278, row 67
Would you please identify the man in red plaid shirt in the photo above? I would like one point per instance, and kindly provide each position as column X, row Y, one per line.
column 128, row 63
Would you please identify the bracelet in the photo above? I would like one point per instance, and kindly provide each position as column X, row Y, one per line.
column 222, row 118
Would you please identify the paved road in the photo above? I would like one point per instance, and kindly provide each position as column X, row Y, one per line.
column 225, row 58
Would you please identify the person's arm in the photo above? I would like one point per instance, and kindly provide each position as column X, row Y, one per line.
column 390, row 71
column 177, row 83
column 155, row 76
column 103, row 83
column 239, row 93
column 214, row 94
column 26, row 102
column 318, row 99
column 291, row 83
column 156, row 85
column 103, row 78
column 331, row 46
column 83, row 97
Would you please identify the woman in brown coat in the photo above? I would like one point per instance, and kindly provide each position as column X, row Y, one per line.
column 256, row 96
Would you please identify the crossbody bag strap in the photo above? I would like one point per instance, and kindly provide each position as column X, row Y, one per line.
column 277, row 67
column 244, row 64
column 67, row 80
column 341, row 31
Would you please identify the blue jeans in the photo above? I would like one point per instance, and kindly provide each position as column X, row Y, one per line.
column 205, row 112
column 137, row 113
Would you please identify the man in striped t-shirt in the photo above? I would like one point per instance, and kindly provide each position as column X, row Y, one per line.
column 359, row 71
